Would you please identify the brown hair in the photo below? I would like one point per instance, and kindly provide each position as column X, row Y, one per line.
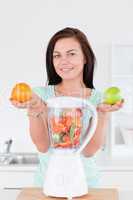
column 53, row 77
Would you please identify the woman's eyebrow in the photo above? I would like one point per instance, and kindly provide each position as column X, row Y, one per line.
column 66, row 51
column 56, row 52
column 71, row 50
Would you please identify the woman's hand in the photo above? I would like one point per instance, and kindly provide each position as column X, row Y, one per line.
column 104, row 108
column 35, row 105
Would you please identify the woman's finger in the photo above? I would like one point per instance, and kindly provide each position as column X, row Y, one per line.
column 110, row 108
column 18, row 104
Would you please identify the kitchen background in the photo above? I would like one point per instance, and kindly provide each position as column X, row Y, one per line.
column 25, row 29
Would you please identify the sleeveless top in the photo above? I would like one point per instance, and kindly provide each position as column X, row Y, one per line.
column 89, row 163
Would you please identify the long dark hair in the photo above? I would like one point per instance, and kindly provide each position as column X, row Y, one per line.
column 53, row 77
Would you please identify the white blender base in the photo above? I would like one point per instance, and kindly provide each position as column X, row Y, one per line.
column 65, row 176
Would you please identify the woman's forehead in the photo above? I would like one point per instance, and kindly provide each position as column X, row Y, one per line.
column 66, row 44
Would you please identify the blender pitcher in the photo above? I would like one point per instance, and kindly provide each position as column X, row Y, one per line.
column 65, row 176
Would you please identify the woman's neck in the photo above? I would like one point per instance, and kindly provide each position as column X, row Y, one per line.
column 72, row 88
column 68, row 85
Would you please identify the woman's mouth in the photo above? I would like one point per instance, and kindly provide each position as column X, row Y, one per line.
column 66, row 69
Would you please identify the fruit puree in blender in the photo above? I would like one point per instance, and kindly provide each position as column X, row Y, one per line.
column 66, row 128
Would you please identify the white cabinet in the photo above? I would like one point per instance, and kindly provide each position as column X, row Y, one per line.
column 16, row 179
column 117, row 179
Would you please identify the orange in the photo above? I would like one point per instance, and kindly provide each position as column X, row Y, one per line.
column 21, row 92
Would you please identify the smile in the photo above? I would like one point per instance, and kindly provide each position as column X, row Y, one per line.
column 67, row 69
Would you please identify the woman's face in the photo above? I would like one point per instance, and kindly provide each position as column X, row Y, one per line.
column 68, row 59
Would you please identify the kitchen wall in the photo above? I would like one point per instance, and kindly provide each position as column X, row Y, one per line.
column 25, row 29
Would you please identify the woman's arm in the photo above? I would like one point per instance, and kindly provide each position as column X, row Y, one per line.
column 39, row 132
column 38, row 126
column 98, row 138
column 37, row 113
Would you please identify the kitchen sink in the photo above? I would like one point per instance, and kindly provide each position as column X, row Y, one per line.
column 19, row 159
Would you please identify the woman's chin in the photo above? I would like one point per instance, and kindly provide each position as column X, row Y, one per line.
column 67, row 76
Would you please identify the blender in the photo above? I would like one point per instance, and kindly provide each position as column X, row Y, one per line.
column 65, row 175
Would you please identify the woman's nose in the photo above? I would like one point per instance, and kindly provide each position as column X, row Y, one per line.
column 64, row 59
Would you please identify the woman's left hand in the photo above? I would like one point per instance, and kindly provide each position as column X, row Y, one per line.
column 109, row 108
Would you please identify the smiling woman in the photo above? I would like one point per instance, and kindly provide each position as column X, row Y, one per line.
column 70, row 64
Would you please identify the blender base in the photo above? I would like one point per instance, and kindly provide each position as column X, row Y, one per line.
column 65, row 176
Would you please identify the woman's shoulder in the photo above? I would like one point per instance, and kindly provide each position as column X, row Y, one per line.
column 96, row 96
column 43, row 91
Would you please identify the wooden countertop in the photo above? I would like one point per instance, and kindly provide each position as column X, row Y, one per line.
column 93, row 194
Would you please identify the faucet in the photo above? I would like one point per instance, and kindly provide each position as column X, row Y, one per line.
column 7, row 146
column 6, row 157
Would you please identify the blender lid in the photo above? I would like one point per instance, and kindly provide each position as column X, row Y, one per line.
column 65, row 101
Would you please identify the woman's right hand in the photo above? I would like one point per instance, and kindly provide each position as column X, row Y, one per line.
column 35, row 105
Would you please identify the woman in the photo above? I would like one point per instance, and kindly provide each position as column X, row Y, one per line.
column 70, row 65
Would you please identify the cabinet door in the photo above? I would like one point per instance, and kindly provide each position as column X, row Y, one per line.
column 16, row 179
column 117, row 179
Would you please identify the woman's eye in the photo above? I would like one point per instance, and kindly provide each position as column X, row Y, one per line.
column 72, row 54
column 56, row 56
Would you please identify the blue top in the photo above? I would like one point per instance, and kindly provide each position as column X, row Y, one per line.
column 91, row 170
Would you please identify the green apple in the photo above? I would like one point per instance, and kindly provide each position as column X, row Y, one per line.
column 112, row 95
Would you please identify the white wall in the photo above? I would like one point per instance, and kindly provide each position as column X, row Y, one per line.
column 25, row 28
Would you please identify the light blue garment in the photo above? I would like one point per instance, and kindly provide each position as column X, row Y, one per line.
column 89, row 163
